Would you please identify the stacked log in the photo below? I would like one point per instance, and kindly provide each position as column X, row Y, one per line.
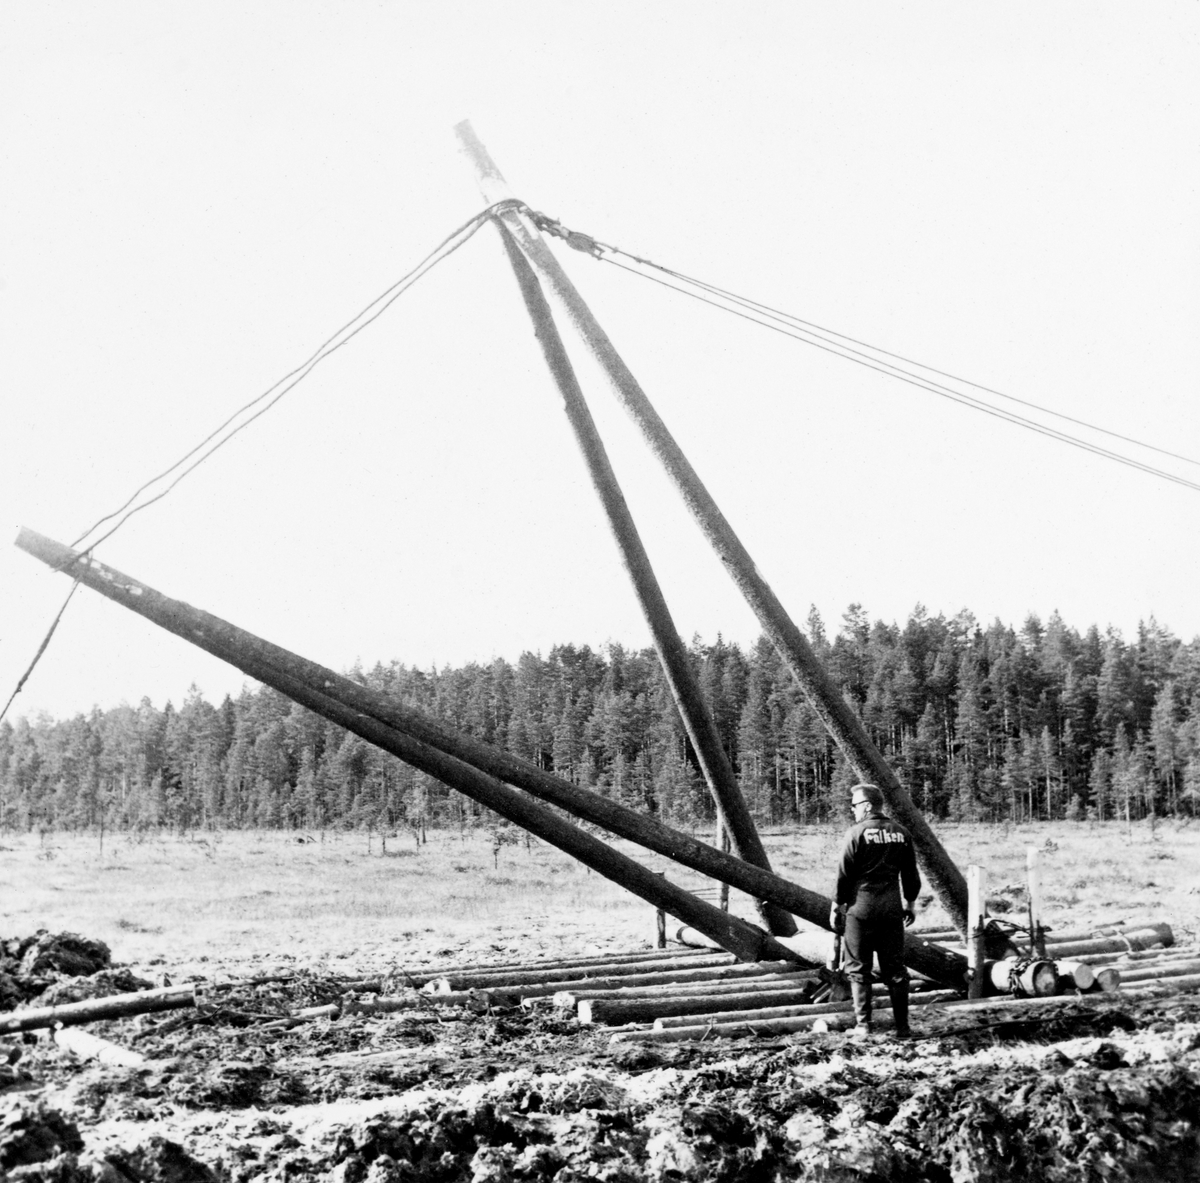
column 1149, row 937
column 816, row 1009
column 532, row 983
column 789, row 980
column 616, row 1011
column 583, row 961
column 1164, row 970
column 115, row 1006
column 768, row 1002
column 1160, row 987
column 834, row 1021
column 481, row 978
column 1075, row 975
column 1034, row 979
column 1158, row 973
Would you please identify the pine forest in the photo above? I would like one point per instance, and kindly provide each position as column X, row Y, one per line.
column 981, row 724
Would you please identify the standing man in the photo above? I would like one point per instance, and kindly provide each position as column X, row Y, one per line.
column 877, row 862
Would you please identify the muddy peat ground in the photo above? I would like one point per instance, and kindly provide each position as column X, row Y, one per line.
column 1106, row 1089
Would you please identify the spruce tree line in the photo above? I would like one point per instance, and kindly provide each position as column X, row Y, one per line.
column 980, row 723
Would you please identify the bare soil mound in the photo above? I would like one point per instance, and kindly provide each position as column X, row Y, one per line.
column 31, row 965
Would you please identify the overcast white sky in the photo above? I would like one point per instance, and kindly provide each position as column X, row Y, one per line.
column 195, row 196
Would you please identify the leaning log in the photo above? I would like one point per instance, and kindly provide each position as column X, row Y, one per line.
column 676, row 662
column 295, row 678
column 746, row 941
column 115, row 1006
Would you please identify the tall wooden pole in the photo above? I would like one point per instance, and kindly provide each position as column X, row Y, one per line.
column 259, row 657
column 681, row 678
column 825, row 698
column 744, row 940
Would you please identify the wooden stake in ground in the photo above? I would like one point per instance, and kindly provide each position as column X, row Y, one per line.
column 721, row 842
column 1033, row 873
column 976, row 919
column 676, row 664
column 840, row 720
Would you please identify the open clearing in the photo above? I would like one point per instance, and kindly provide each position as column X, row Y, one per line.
column 1107, row 1089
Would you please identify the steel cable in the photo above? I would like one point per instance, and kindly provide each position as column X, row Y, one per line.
column 810, row 337
column 273, row 394
column 334, row 342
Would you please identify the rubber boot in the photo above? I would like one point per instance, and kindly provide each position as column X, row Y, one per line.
column 898, row 992
column 861, row 993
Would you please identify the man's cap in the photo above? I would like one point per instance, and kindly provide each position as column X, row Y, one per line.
column 868, row 793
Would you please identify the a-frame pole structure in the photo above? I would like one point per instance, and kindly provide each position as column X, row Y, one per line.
column 411, row 735
column 839, row 719
column 680, row 676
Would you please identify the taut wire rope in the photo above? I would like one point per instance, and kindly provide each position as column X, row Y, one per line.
column 273, row 393
column 269, row 397
column 40, row 650
column 957, row 396
column 823, row 338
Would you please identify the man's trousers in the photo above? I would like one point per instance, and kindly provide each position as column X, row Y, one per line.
column 866, row 939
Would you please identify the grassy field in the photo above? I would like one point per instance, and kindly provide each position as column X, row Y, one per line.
column 229, row 900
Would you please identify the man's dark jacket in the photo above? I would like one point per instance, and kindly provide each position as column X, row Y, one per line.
column 878, row 856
